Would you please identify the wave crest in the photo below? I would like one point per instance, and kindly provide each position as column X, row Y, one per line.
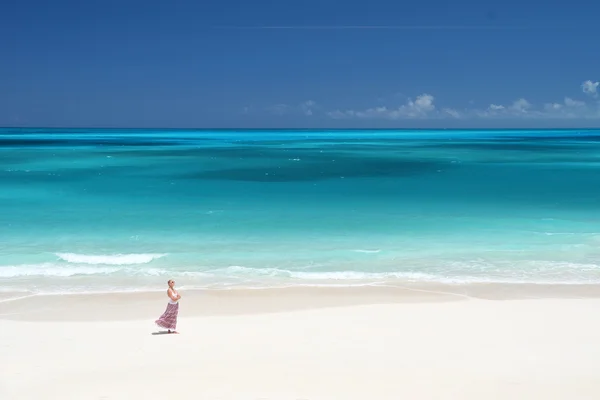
column 114, row 259
column 118, row 267
column 51, row 270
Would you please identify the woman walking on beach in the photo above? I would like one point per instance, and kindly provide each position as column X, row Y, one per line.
column 169, row 318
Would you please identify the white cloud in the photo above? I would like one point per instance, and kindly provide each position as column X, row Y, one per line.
column 452, row 112
column 307, row 107
column 521, row 106
column 337, row 114
column 569, row 102
column 424, row 107
column 571, row 109
column 421, row 107
column 423, row 103
column 517, row 108
column 552, row 106
column 590, row 88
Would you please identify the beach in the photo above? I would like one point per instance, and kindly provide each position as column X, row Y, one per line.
column 305, row 343
column 315, row 265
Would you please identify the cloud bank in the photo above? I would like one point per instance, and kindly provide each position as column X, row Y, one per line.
column 424, row 106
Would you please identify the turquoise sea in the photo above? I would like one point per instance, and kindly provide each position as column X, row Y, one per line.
column 95, row 210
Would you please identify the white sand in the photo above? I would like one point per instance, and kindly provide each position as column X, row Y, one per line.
column 468, row 349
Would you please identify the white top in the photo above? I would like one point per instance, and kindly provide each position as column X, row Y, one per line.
column 171, row 301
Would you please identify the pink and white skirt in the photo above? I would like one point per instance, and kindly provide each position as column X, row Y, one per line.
column 169, row 318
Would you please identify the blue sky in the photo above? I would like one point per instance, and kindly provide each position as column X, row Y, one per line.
column 310, row 63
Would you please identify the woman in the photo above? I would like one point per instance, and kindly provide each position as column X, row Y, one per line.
column 169, row 318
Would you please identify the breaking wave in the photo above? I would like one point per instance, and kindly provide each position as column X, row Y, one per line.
column 114, row 259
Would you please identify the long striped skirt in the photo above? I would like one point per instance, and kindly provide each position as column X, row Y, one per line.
column 169, row 318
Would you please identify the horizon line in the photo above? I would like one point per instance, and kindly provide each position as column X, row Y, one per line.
column 373, row 27
column 306, row 129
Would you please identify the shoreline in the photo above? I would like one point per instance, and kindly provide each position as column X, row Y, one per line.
column 127, row 306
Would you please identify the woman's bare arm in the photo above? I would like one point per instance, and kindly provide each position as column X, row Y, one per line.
column 172, row 295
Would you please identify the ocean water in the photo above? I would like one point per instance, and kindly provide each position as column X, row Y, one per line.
column 120, row 210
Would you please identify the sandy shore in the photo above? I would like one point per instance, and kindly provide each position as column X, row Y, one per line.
column 355, row 343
